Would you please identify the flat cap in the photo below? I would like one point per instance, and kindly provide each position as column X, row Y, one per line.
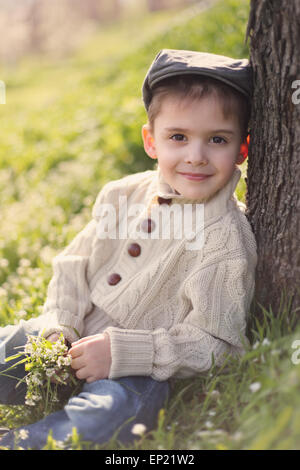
column 172, row 62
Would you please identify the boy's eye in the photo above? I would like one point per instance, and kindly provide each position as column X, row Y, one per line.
column 178, row 137
column 218, row 140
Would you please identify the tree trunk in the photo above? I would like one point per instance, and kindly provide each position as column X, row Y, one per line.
column 273, row 179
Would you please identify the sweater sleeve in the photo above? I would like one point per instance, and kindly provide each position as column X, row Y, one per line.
column 68, row 294
column 220, row 296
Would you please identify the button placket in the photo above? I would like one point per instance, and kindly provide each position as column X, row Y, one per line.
column 147, row 225
column 134, row 249
column 114, row 279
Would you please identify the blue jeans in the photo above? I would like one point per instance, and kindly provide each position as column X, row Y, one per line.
column 103, row 409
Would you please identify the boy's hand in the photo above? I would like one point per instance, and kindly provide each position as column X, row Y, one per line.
column 91, row 357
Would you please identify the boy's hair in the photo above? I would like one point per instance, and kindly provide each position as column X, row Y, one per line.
column 196, row 87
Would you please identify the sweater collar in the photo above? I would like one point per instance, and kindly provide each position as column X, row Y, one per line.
column 217, row 205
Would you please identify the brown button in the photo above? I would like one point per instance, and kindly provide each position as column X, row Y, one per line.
column 162, row 200
column 148, row 225
column 113, row 279
column 134, row 249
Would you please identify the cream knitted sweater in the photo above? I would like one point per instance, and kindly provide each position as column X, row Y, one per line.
column 170, row 308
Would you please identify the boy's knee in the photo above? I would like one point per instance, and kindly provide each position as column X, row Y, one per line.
column 100, row 409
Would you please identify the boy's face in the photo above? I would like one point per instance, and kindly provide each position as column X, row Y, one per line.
column 196, row 147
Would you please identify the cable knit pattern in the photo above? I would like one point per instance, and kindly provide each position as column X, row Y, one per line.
column 174, row 309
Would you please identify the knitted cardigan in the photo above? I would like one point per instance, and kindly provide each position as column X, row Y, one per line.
column 174, row 309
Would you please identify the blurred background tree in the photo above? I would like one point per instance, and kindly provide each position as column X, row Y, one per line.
column 154, row 5
column 57, row 27
column 54, row 27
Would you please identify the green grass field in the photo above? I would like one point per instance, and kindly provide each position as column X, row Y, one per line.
column 68, row 127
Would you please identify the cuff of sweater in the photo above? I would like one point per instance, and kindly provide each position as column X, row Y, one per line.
column 62, row 321
column 131, row 352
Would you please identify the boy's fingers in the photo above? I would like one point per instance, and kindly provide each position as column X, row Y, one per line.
column 90, row 379
column 75, row 351
column 77, row 363
column 82, row 340
column 82, row 373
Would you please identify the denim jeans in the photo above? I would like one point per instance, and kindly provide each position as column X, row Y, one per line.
column 103, row 409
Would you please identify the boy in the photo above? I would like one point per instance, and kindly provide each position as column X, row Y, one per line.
column 151, row 309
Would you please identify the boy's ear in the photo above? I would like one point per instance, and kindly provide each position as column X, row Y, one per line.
column 243, row 154
column 149, row 144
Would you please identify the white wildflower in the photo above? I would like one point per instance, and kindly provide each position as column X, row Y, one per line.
column 255, row 345
column 3, row 292
column 138, row 429
column 21, row 313
column 64, row 361
column 60, row 361
column 237, row 436
column 215, row 394
column 4, row 263
column 28, row 379
column 24, row 262
column 36, row 379
column 23, row 434
column 36, row 397
column 50, row 372
column 266, row 342
column 255, row 387
column 28, row 349
column 29, row 402
column 60, row 444
column 65, row 376
column 209, row 424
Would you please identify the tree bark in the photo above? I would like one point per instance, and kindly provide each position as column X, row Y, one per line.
column 273, row 178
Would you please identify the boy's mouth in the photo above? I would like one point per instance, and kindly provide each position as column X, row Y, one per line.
column 194, row 176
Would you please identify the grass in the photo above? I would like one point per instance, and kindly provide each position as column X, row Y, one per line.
column 69, row 126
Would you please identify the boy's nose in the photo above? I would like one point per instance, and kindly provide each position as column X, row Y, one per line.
column 196, row 155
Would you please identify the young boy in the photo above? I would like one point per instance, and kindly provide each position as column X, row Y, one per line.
column 150, row 309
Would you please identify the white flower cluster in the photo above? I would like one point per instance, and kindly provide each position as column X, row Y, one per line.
column 48, row 366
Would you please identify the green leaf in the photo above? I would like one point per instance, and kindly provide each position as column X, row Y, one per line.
column 14, row 365
column 15, row 356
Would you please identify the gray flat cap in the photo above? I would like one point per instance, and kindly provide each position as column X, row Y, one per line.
column 172, row 62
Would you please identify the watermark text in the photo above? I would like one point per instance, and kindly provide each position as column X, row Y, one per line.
column 296, row 355
column 2, row 92
column 296, row 94
column 162, row 222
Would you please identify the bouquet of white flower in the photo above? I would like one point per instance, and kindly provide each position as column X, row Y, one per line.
column 50, row 379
